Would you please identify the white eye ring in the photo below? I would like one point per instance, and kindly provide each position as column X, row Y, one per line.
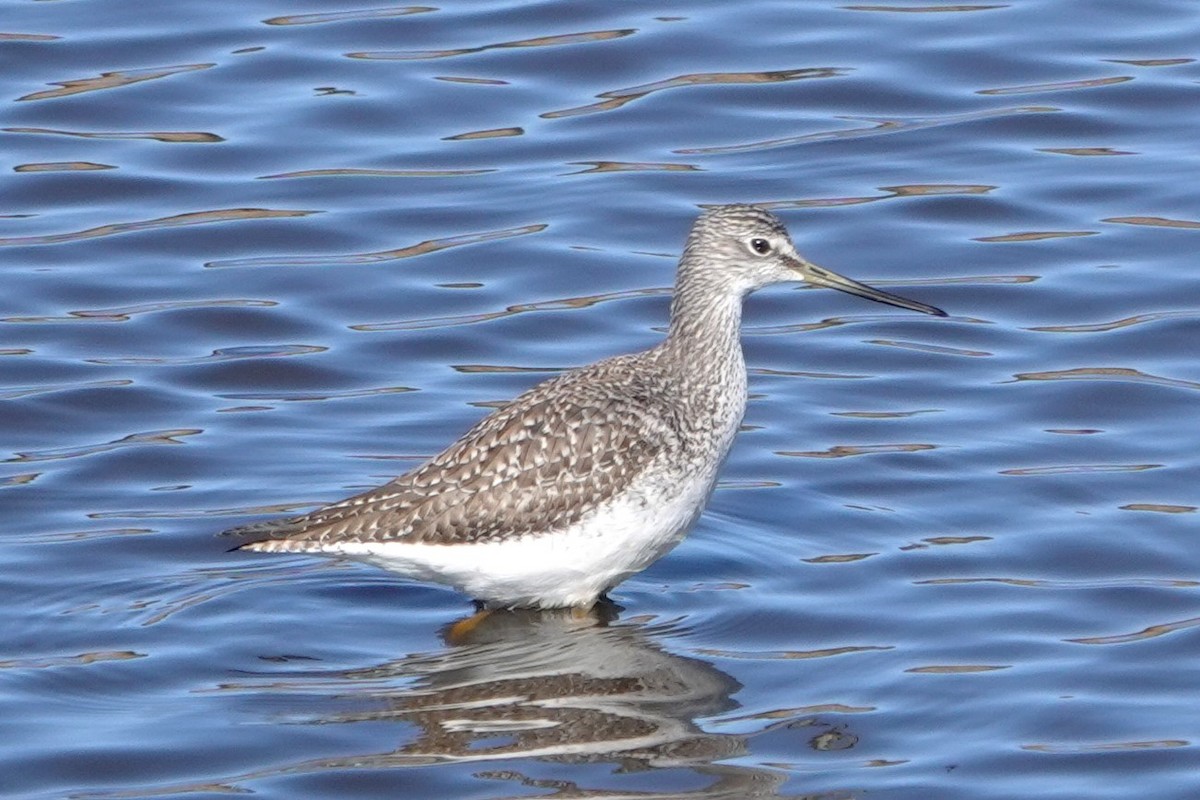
column 760, row 246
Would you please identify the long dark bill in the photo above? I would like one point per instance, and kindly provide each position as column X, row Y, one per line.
column 819, row 276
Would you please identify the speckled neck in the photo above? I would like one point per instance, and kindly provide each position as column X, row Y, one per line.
column 706, row 314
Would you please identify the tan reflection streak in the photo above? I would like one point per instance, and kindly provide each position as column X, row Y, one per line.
column 309, row 397
column 1106, row 374
column 192, row 137
column 1146, row 633
column 884, row 414
column 342, row 16
column 1086, row 151
column 844, row 558
column 221, row 354
column 843, row 451
column 1080, row 469
column 1152, row 62
column 123, row 313
column 1033, row 583
column 111, row 80
column 957, row 669
column 1155, row 222
column 493, row 133
column 789, row 655
column 925, row 9
column 17, row 392
column 418, row 249
column 1161, row 508
column 132, row 440
column 910, row 190
column 521, row 308
column 1105, row 746
column 930, row 348
column 499, row 369
column 61, row 166
column 28, row 37
column 540, row 41
column 618, row 97
column 68, row 661
column 878, row 127
column 1034, row 236
column 377, row 173
column 944, row 540
column 1098, row 327
column 477, row 81
column 1057, row 87
column 179, row 220
column 629, row 166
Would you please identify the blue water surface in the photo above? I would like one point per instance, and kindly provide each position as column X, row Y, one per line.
column 256, row 257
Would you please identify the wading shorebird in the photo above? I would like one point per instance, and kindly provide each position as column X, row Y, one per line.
column 555, row 498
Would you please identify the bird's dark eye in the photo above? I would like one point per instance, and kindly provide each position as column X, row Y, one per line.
column 760, row 246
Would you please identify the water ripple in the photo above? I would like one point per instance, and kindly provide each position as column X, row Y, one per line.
column 174, row 221
column 1079, row 469
column 1099, row 327
column 82, row 659
column 309, row 397
column 171, row 436
column 1161, row 508
column 1032, row 236
column 1042, row 583
column 344, row 16
column 1155, row 222
column 1106, row 747
column 216, row 356
column 190, row 137
column 377, row 173
column 123, row 313
column 890, row 193
column 628, row 166
column 789, row 655
column 1106, row 374
column 17, row 392
column 61, row 166
column 1037, row 88
column 926, row 9
column 930, row 348
column 564, row 304
column 111, row 80
column 846, row 450
column 1152, row 632
column 348, row 259
column 617, row 98
column 879, row 126
column 539, row 41
column 957, row 669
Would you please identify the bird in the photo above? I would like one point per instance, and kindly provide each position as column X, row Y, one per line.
column 555, row 498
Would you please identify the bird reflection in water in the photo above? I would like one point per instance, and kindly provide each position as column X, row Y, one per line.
column 561, row 687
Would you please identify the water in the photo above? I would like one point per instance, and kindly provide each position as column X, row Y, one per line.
column 256, row 258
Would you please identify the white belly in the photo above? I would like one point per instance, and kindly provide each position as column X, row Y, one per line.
column 568, row 567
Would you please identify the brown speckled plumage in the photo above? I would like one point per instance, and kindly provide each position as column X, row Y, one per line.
column 632, row 441
column 538, row 463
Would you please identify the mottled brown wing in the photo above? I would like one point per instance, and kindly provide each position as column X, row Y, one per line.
column 539, row 463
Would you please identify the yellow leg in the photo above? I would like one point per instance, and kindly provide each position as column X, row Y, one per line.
column 460, row 632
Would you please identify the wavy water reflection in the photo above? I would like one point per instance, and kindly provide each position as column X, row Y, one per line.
column 547, row 688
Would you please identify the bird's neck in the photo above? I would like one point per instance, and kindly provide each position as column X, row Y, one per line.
column 706, row 318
